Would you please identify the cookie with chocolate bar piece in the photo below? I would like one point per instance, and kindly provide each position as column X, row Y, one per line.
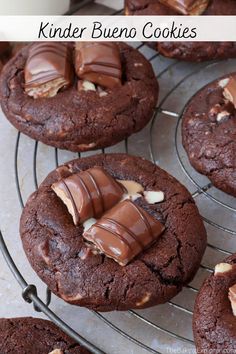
column 209, row 132
column 130, row 240
column 214, row 320
column 106, row 93
column 190, row 51
column 27, row 335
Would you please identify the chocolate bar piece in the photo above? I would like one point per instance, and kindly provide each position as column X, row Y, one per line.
column 98, row 62
column 230, row 90
column 232, row 298
column 123, row 232
column 48, row 69
column 88, row 194
column 187, row 7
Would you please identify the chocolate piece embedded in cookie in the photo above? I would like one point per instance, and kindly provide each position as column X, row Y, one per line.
column 88, row 194
column 230, row 90
column 48, row 69
column 187, row 7
column 124, row 231
column 99, row 62
column 214, row 321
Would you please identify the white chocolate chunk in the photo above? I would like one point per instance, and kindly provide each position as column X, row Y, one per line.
column 223, row 82
column 135, row 190
column 86, row 146
column 222, row 268
column 153, row 197
column 132, row 187
column 138, row 64
column 88, row 223
column 71, row 298
column 222, row 115
column 88, row 86
column 56, row 351
column 144, row 300
column 103, row 93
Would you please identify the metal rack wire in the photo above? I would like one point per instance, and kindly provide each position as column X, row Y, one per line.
column 175, row 95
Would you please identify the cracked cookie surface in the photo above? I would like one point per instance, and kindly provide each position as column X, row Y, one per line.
column 56, row 250
column 209, row 136
column 190, row 51
column 27, row 335
column 81, row 121
column 214, row 324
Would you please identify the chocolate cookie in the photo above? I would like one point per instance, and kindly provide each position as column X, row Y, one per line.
column 209, row 134
column 58, row 253
column 214, row 321
column 82, row 116
column 190, row 51
column 27, row 335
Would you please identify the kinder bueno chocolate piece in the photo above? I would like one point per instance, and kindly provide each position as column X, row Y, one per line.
column 88, row 194
column 99, row 63
column 124, row 232
column 48, row 69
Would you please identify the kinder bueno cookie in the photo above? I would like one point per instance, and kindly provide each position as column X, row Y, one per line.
column 214, row 320
column 112, row 95
column 154, row 231
column 209, row 132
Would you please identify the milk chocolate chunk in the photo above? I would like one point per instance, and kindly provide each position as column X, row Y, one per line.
column 48, row 69
column 230, row 90
column 123, row 232
column 232, row 298
column 187, row 7
column 99, row 62
column 88, row 194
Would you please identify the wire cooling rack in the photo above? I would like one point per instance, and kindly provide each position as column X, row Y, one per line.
column 164, row 328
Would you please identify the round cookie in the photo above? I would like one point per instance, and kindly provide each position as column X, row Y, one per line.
column 190, row 51
column 27, row 335
column 82, row 120
column 57, row 252
column 209, row 135
column 214, row 324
